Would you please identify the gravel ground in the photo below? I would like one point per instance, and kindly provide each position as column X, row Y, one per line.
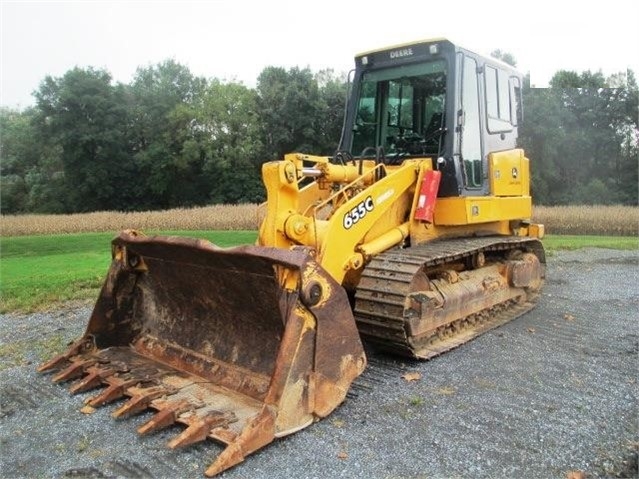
column 552, row 392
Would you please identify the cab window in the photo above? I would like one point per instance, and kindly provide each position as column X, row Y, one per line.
column 498, row 104
column 402, row 110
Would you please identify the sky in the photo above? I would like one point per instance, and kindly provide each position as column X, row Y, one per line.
column 234, row 40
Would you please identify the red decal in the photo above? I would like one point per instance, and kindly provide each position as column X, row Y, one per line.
column 427, row 196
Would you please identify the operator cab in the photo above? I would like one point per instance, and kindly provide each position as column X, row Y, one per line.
column 433, row 99
column 412, row 105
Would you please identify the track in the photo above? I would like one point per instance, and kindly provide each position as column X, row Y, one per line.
column 467, row 280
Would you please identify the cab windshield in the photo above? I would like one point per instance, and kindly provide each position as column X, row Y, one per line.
column 401, row 109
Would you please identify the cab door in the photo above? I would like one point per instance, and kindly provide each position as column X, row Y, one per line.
column 471, row 155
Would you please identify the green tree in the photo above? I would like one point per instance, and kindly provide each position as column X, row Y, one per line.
column 32, row 173
column 225, row 133
column 624, row 121
column 583, row 138
column 84, row 114
column 300, row 111
column 16, row 159
column 287, row 104
column 163, row 99
column 542, row 136
column 330, row 111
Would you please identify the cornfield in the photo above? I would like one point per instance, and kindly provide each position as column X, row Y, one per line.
column 217, row 217
column 589, row 220
column 575, row 220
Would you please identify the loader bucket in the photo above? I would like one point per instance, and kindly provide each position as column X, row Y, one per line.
column 239, row 345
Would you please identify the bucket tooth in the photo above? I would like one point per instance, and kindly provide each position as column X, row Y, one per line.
column 164, row 418
column 140, row 401
column 74, row 350
column 74, row 370
column 256, row 434
column 53, row 363
column 200, row 427
column 91, row 381
column 112, row 393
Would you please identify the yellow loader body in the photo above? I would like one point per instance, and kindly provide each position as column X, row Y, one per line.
column 415, row 236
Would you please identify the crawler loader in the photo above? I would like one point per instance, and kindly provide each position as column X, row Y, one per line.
column 414, row 236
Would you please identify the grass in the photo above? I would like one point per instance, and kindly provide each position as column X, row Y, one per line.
column 17, row 353
column 573, row 242
column 39, row 271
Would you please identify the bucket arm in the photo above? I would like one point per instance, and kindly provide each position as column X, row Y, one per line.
column 348, row 213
